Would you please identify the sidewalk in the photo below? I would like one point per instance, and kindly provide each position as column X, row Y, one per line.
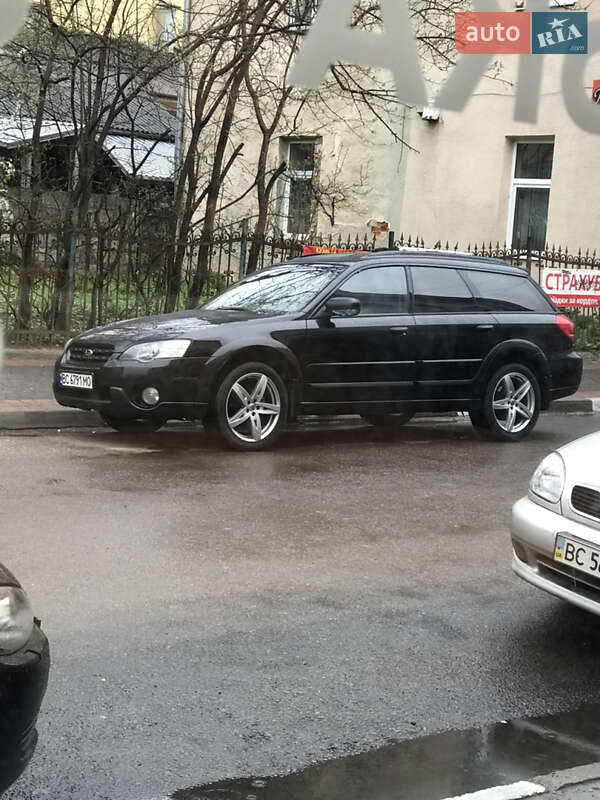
column 26, row 399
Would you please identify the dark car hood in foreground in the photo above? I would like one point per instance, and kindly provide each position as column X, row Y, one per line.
column 181, row 324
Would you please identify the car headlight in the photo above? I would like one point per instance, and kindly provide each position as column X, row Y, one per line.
column 16, row 619
column 548, row 480
column 170, row 348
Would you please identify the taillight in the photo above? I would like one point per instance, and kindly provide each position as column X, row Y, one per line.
column 566, row 325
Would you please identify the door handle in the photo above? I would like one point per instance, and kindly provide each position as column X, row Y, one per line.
column 485, row 327
column 401, row 331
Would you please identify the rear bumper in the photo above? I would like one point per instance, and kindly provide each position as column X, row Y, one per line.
column 567, row 372
column 117, row 389
column 23, row 682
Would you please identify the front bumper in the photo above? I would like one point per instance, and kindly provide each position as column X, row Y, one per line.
column 23, row 681
column 118, row 387
column 533, row 530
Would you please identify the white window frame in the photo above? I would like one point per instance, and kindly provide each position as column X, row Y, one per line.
column 290, row 174
column 523, row 183
column 165, row 15
column 294, row 7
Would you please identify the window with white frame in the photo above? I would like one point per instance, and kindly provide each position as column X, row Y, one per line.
column 297, row 196
column 302, row 13
column 530, row 193
column 165, row 17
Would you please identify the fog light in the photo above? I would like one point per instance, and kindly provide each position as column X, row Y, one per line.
column 150, row 396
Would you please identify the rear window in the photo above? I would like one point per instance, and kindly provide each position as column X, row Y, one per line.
column 499, row 292
column 440, row 290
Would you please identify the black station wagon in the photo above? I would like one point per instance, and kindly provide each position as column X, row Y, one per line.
column 384, row 335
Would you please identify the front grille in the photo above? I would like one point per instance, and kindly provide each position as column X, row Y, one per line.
column 90, row 354
column 563, row 575
column 586, row 501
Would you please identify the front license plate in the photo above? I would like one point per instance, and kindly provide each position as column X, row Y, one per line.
column 577, row 554
column 74, row 380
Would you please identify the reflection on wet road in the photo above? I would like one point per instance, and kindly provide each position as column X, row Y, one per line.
column 434, row 767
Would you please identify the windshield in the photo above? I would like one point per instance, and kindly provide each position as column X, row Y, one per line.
column 285, row 291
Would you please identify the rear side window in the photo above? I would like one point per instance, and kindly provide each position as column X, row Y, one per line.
column 499, row 292
column 439, row 290
column 381, row 290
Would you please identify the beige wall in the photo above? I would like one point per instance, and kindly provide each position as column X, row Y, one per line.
column 458, row 184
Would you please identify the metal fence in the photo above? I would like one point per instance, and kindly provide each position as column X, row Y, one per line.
column 118, row 276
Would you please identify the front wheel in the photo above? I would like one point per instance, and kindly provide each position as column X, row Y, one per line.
column 250, row 408
column 143, row 425
column 511, row 404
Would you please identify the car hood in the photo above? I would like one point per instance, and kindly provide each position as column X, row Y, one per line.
column 181, row 324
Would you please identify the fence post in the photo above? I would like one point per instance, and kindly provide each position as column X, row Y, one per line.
column 391, row 240
column 528, row 261
column 243, row 248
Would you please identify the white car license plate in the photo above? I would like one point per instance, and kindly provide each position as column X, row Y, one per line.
column 577, row 554
column 74, row 380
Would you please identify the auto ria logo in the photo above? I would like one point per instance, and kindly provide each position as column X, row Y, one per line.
column 522, row 32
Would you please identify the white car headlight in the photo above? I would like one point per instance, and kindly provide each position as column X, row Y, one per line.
column 548, row 480
column 170, row 348
column 16, row 619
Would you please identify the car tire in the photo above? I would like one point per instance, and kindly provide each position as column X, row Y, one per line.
column 250, row 408
column 511, row 403
column 388, row 420
column 140, row 425
column 478, row 419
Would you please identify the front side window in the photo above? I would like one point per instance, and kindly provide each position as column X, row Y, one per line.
column 381, row 290
column 530, row 194
column 297, row 204
column 440, row 290
column 499, row 292
column 281, row 291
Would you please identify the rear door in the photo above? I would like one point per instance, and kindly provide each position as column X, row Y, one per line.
column 453, row 335
column 368, row 361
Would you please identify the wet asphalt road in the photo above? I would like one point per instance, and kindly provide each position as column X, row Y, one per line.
column 216, row 615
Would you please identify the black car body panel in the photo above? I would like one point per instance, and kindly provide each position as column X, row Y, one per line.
column 23, row 682
column 434, row 352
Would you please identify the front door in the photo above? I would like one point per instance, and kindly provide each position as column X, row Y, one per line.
column 365, row 362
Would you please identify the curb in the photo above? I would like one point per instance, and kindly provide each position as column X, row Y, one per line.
column 583, row 405
column 72, row 418
column 30, row 420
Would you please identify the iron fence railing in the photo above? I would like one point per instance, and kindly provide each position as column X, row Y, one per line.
column 116, row 275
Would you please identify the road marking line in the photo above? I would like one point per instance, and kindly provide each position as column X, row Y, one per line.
column 514, row 791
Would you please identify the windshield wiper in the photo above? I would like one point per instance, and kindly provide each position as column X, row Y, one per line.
column 230, row 308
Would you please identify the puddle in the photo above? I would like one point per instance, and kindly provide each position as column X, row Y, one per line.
column 433, row 767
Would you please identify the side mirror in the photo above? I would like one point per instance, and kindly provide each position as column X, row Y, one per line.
column 342, row 307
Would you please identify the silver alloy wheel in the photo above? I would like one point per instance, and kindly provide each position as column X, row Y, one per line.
column 253, row 407
column 513, row 402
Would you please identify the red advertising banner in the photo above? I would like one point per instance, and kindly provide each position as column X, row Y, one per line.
column 596, row 92
column 572, row 288
column 315, row 250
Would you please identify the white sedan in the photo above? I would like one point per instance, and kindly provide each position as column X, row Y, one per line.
column 556, row 528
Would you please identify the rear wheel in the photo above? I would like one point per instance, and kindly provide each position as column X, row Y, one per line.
column 388, row 420
column 511, row 404
column 142, row 425
column 250, row 408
